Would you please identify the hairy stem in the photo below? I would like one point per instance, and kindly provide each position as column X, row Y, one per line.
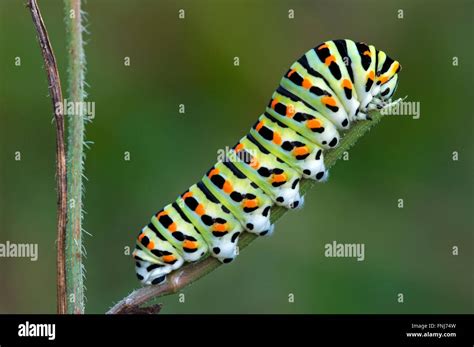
column 54, row 85
column 191, row 272
column 75, row 157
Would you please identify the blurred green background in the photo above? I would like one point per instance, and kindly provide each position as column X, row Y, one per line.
column 190, row 62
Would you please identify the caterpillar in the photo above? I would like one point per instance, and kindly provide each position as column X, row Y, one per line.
column 324, row 92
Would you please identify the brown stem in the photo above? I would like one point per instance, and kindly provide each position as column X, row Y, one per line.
column 191, row 272
column 54, row 85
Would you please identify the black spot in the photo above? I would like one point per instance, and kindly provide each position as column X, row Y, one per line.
column 318, row 155
column 191, row 202
column 180, row 212
column 178, row 235
column 280, row 108
column 190, row 238
column 249, row 226
column 386, row 91
column 280, row 199
column 153, row 267
column 345, row 122
column 302, row 156
column 218, row 180
column 225, row 209
column 250, row 196
column 234, row 237
column 320, row 175
column 227, row 260
column 145, row 241
column 216, row 250
column 336, row 72
column 266, row 133
column 220, row 220
column 157, row 252
column 253, row 185
column 295, row 204
column 189, row 250
column 236, row 196
column 307, row 172
column 263, row 171
column 165, row 220
column 278, row 184
column 256, row 143
column 250, row 209
column 324, row 142
column 137, row 264
column 263, row 233
column 234, row 170
column 219, row 233
column 158, row 280
column 277, row 171
column 348, row 92
column 206, row 219
column 333, row 142
column 316, row 90
column 157, row 233
column 295, row 183
column 287, row 146
column 369, row 85
column 140, row 277
column 332, row 108
column 266, row 211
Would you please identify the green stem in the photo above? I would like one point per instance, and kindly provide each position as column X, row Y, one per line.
column 191, row 272
column 75, row 158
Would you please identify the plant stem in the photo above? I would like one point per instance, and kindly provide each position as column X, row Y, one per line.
column 191, row 272
column 75, row 158
column 54, row 85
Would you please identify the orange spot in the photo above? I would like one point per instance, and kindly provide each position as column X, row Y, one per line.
column 274, row 103
column 259, row 126
column 371, row 75
column 291, row 73
column 328, row 100
column 200, row 209
column 227, row 187
column 346, row 84
column 276, row 138
column 383, row 79
column 314, row 123
column 172, row 227
column 161, row 214
column 279, row 178
column 220, row 227
column 187, row 195
column 213, row 172
column 141, row 236
column 322, row 46
column 367, row 53
column 290, row 110
column 168, row 258
column 306, row 83
column 239, row 147
column 189, row 244
column 300, row 150
column 254, row 163
column 250, row 203
column 151, row 245
column 329, row 60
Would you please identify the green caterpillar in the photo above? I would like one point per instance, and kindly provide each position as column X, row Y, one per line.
column 323, row 92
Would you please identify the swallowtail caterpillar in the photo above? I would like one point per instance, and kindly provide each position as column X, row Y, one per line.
column 329, row 88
